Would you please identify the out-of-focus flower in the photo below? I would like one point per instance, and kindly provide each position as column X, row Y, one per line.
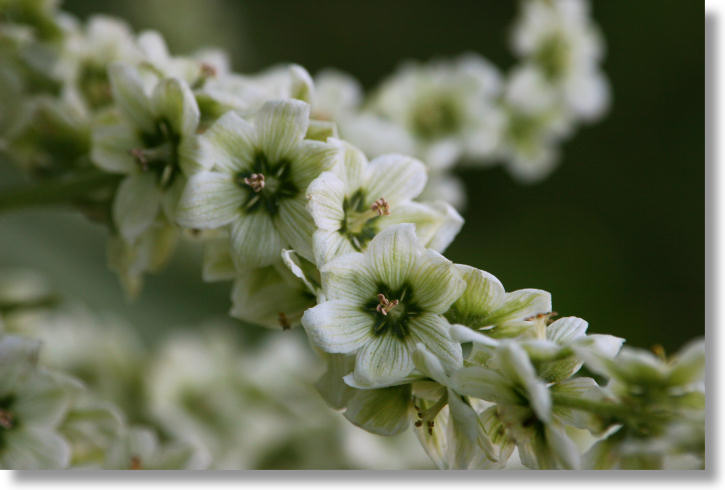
column 139, row 448
column 448, row 108
column 254, row 181
column 559, row 38
column 33, row 403
column 149, row 140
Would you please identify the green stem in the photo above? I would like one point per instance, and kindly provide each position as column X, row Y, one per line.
column 55, row 191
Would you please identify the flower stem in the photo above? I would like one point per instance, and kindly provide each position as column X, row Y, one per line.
column 56, row 191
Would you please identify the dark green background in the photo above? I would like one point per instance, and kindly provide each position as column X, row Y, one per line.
column 616, row 233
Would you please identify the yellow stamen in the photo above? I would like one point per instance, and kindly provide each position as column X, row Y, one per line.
column 255, row 181
column 381, row 207
column 385, row 305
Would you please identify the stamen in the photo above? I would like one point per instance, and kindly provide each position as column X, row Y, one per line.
column 541, row 321
column 381, row 206
column 135, row 463
column 255, row 181
column 659, row 351
column 283, row 321
column 6, row 419
column 208, row 70
column 138, row 154
column 385, row 305
column 427, row 417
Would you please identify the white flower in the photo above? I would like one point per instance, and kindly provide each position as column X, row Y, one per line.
column 446, row 106
column 559, row 37
column 380, row 303
column 485, row 305
column 246, row 94
column 139, row 448
column 149, row 141
column 33, row 402
column 357, row 199
column 254, row 181
column 336, row 95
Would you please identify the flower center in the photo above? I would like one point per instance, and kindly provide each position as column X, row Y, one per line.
column 553, row 56
column 359, row 223
column 436, row 116
column 270, row 183
column 159, row 154
column 94, row 85
column 392, row 310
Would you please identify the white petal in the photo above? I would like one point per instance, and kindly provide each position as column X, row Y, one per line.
column 448, row 226
column 310, row 159
column 136, row 204
column 255, row 240
column 516, row 364
column 383, row 360
column 296, row 226
column 436, row 282
column 338, row 327
column 210, row 200
column 397, row 178
column 432, row 331
column 112, row 141
column 383, row 411
column 352, row 166
column 328, row 245
column 566, row 330
column 173, row 102
column 348, row 278
column 393, row 253
column 326, row 194
column 483, row 295
column 129, row 95
column 281, row 126
column 228, row 145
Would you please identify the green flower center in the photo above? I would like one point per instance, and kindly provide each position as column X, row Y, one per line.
column 436, row 116
column 392, row 310
column 358, row 225
column 160, row 154
column 523, row 130
column 553, row 56
column 267, row 184
column 94, row 85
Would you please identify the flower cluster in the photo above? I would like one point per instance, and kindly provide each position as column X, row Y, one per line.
column 331, row 210
column 96, row 396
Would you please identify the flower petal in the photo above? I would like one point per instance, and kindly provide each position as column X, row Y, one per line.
column 173, row 101
column 566, row 330
column 229, row 144
column 383, row 360
column 326, row 194
column 113, row 139
column 210, row 200
column 255, row 241
column 310, row 159
column 296, row 226
column 347, row 278
column 433, row 332
column 130, row 97
column 436, row 282
column 328, row 245
column 136, row 204
column 392, row 254
column 383, row 411
column 397, row 178
column 352, row 166
column 338, row 327
column 281, row 126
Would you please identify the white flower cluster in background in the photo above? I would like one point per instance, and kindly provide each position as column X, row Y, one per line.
column 331, row 210
column 82, row 391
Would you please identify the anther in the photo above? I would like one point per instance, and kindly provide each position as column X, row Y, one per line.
column 255, row 181
column 381, row 206
column 418, row 423
column 385, row 305
column 283, row 321
column 208, row 70
column 6, row 419
column 138, row 155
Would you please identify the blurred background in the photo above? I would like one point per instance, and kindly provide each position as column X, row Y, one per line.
column 616, row 233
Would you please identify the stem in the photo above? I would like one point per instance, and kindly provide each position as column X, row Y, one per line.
column 55, row 191
column 607, row 409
